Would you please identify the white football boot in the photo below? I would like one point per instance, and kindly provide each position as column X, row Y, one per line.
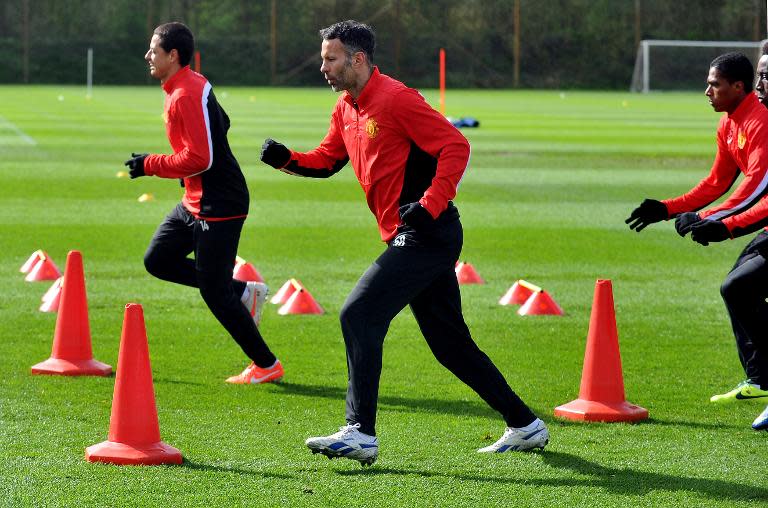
column 534, row 435
column 254, row 302
column 349, row 443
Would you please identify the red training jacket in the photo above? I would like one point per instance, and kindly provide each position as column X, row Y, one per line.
column 401, row 149
column 214, row 186
column 742, row 146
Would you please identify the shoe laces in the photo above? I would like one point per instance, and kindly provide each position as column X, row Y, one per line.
column 348, row 429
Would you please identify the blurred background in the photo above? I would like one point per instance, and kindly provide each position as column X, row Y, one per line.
column 567, row 44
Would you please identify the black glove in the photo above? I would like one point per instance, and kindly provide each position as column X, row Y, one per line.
column 708, row 231
column 416, row 216
column 647, row 213
column 275, row 154
column 136, row 164
column 685, row 221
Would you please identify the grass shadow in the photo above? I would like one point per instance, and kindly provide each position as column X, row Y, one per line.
column 220, row 469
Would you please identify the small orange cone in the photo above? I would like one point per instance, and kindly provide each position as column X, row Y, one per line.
column 285, row 291
column 72, row 354
column 518, row 293
column 134, row 430
column 52, row 297
column 32, row 261
column 245, row 271
column 43, row 269
column 601, row 394
column 539, row 304
column 466, row 274
column 300, row 302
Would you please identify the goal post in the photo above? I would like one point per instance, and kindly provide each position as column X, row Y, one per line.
column 682, row 65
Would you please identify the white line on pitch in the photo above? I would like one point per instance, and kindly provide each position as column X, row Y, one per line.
column 9, row 125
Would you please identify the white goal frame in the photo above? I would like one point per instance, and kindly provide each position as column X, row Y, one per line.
column 643, row 63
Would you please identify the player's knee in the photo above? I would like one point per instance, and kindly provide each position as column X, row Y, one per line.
column 732, row 288
column 153, row 263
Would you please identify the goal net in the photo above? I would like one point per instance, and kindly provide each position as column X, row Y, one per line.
column 682, row 65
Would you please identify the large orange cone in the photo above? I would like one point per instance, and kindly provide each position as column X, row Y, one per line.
column 43, row 269
column 518, row 293
column 72, row 354
column 540, row 303
column 466, row 274
column 32, row 261
column 245, row 271
column 300, row 302
column 134, row 431
column 52, row 297
column 285, row 291
column 601, row 395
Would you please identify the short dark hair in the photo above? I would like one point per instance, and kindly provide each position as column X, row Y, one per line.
column 735, row 67
column 354, row 35
column 177, row 36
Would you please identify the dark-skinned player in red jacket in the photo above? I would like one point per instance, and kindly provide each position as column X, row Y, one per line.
column 409, row 160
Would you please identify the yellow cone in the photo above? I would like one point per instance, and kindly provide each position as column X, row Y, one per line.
column 122, row 174
column 146, row 197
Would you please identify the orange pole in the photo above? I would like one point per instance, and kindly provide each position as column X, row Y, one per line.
column 442, row 81
column 197, row 61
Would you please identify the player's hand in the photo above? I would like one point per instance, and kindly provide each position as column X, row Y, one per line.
column 416, row 216
column 708, row 231
column 275, row 154
column 136, row 164
column 685, row 221
column 647, row 213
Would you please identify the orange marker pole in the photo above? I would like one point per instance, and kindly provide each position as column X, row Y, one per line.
column 197, row 61
column 442, row 81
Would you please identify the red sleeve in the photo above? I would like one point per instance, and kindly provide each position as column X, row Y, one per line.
column 326, row 159
column 435, row 135
column 190, row 134
column 722, row 175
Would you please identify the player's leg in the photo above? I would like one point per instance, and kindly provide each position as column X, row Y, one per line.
column 215, row 251
column 167, row 256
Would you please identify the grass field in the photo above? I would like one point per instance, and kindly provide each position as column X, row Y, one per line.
column 552, row 178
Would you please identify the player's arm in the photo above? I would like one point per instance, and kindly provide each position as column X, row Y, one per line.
column 194, row 130
column 324, row 161
column 435, row 135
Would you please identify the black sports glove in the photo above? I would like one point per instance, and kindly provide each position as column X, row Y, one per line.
column 708, row 231
column 647, row 213
column 275, row 154
column 416, row 216
column 685, row 221
column 136, row 164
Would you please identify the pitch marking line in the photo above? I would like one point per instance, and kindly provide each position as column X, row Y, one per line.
column 5, row 124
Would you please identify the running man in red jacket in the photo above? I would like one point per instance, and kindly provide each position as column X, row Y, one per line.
column 210, row 217
column 742, row 148
column 409, row 160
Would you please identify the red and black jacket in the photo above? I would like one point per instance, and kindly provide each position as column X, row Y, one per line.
column 197, row 126
column 401, row 149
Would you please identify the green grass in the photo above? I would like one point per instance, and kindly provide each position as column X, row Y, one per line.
column 552, row 178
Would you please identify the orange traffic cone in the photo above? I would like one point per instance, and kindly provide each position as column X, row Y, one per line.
column 540, row 303
column 601, row 395
column 32, row 261
column 134, row 431
column 245, row 271
column 43, row 269
column 72, row 354
column 285, row 291
column 52, row 297
column 466, row 274
column 518, row 293
column 300, row 302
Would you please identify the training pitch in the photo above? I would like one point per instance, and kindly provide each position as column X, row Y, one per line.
column 552, row 178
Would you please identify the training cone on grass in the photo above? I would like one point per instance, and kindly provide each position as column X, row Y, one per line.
column 134, row 430
column 52, row 297
column 285, row 291
column 601, row 395
column 245, row 271
column 43, row 269
column 518, row 293
column 466, row 274
column 540, row 303
column 300, row 302
column 32, row 261
column 72, row 354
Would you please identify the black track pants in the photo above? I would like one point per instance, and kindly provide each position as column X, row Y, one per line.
column 744, row 292
column 418, row 269
column 214, row 244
